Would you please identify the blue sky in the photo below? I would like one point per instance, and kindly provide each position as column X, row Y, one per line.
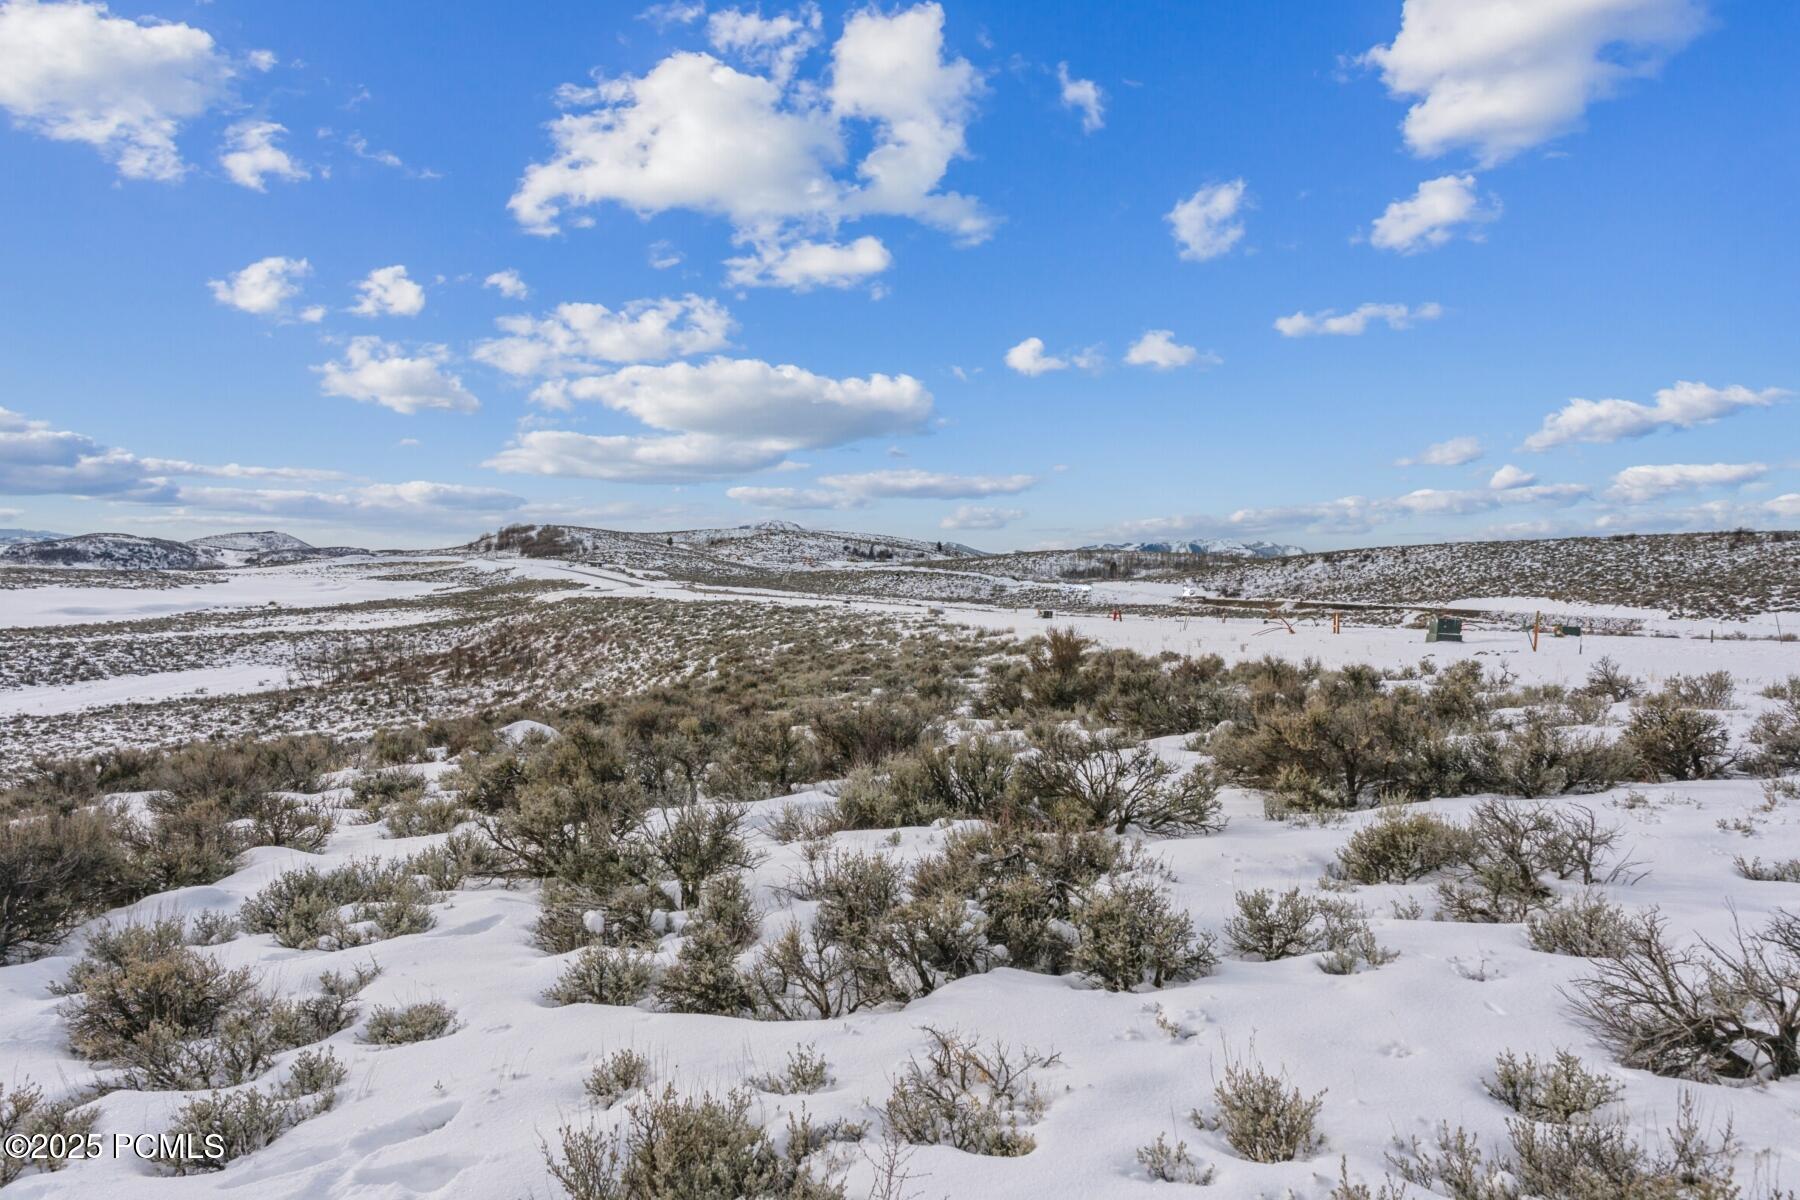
column 1015, row 275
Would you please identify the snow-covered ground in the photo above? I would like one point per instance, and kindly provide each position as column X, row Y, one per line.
column 1395, row 1050
column 141, row 689
column 306, row 585
column 1667, row 645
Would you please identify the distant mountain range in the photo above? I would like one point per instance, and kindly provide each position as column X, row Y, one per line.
column 27, row 535
column 1225, row 546
column 738, row 549
column 735, row 549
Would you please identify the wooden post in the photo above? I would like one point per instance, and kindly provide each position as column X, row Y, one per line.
column 1537, row 620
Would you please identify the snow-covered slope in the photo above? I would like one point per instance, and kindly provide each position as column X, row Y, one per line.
column 256, row 542
column 1683, row 574
column 130, row 552
column 785, row 544
column 120, row 551
column 734, row 551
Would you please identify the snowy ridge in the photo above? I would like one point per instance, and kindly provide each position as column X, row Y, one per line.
column 131, row 552
column 1682, row 574
column 785, row 544
column 732, row 551
column 263, row 540
column 117, row 551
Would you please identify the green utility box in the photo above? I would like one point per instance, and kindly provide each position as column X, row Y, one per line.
column 1568, row 631
column 1444, row 629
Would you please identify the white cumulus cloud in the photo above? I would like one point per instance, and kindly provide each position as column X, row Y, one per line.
column 1433, row 215
column 803, row 265
column 1357, row 320
column 1502, row 76
column 265, row 287
column 718, row 418
column 1682, row 406
column 577, row 338
column 1028, row 358
column 508, row 283
column 765, row 151
column 250, row 155
column 75, row 73
column 1452, row 453
column 1638, row 484
column 1084, row 96
column 1208, row 224
column 1509, row 476
column 374, row 371
column 1158, row 348
column 387, row 291
column 776, row 43
column 919, row 484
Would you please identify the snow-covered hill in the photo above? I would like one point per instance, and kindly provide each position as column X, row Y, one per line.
column 785, row 544
column 118, row 551
column 1683, row 574
column 731, row 552
column 254, row 542
column 130, row 552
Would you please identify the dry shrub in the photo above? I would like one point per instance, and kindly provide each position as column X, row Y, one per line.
column 1401, row 845
column 1105, row 782
column 238, row 1123
column 1173, row 1164
column 969, row 1098
column 1577, row 1161
column 1559, row 1091
column 1028, row 883
column 56, row 871
column 1515, row 844
column 603, row 975
column 25, row 1112
column 1703, row 1012
column 1131, row 936
column 1585, row 926
column 1262, row 1117
column 1677, row 741
column 617, row 1076
column 1273, row 927
column 675, row 1148
column 421, row 1022
column 169, row 1017
column 1776, row 732
column 364, row 900
column 806, row 1071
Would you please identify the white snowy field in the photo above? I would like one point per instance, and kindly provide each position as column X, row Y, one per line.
column 303, row 586
column 60, row 698
column 327, row 595
column 1396, row 1050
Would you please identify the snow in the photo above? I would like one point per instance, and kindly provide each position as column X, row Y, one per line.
column 519, row 731
column 141, row 689
column 308, row 585
column 1396, row 1049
